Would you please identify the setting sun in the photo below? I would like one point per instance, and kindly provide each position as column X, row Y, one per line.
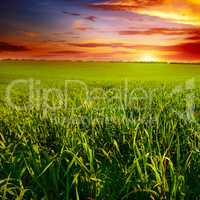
column 148, row 58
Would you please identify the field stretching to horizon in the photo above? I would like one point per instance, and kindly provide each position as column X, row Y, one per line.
column 99, row 130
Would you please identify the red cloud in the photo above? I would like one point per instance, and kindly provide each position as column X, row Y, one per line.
column 4, row 46
column 187, row 48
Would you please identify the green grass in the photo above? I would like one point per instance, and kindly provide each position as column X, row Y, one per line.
column 141, row 145
column 97, row 71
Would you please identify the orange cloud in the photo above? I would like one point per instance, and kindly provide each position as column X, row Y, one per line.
column 152, row 31
column 181, row 11
column 192, row 34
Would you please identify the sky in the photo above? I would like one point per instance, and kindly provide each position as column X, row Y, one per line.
column 110, row 30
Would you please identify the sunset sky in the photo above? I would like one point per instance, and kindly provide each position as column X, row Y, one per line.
column 128, row 30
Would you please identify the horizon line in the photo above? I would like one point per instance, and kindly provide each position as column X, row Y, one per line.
column 108, row 61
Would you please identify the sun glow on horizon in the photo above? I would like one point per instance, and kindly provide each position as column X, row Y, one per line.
column 148, row 58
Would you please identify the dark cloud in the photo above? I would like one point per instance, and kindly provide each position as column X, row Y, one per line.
column 70, row 13
column 4, row 46
column 91, row 18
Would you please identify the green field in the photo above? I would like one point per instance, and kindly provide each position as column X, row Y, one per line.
column 88, row 130
column 97, row 71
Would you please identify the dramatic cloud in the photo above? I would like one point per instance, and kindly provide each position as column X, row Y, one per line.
column 4, row 46
column 182, row 11
column 101, row 30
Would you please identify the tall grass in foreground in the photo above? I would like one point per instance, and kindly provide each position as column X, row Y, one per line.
column 102, row 150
